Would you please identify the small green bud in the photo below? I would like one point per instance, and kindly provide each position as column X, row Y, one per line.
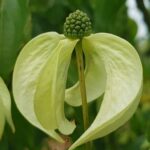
column 77, row 25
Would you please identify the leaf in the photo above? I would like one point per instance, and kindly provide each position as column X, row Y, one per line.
column 5, row 107
column 110, row 16
column 13, row 18
column 123, row 85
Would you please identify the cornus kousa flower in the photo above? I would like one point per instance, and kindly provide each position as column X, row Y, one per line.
column 112, row 67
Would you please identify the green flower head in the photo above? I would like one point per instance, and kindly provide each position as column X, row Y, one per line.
column 112, row 67
column 77, row 25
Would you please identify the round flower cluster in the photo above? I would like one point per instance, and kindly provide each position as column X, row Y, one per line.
column 77, row 25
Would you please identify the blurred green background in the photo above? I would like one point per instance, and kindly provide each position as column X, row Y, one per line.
column 21, row 20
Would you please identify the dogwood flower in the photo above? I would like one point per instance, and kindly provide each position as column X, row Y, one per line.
column 5, row 107
column 113, row 67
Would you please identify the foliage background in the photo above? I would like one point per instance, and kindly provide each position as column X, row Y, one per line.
column 21, row 20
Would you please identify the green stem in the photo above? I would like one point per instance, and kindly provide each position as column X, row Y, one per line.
column 80, row 64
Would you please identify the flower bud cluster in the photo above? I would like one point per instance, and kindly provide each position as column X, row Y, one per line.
column 77, row 25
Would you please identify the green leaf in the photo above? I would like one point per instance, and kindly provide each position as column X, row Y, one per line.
column 110, row 16
column 123, row 86
column 13, row 19
column 5, row 107
column 30, row 75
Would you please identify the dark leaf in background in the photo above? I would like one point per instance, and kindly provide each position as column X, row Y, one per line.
column 132, row 29
column 48, row 15
column 110, row 19
column 14, row 16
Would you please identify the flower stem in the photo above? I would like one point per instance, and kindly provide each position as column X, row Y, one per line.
column 80, row 64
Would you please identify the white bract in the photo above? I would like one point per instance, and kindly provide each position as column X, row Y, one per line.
column 113, row 67
column 5, row 107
